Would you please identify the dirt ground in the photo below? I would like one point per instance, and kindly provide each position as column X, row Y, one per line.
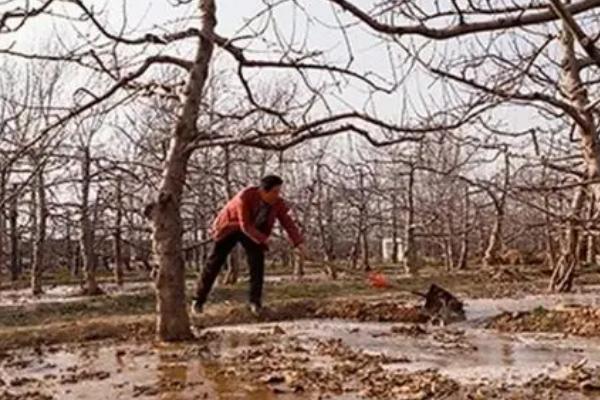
column 319, row 339
column 571, row 319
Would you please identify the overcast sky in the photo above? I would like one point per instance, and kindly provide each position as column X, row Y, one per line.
column 320, row 32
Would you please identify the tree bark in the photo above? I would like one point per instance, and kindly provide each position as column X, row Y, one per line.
column 410, row 251
column 15, row 258
column 299, row 261
column 117, row 234
column 464, row 246
column 88, row 253
column 3, row 230
column 572, row 85
column 395, row 227
column 39, row 248
column 550, row 247
column 325, row 220
column 450, row 243
column 564, row 272
column 590, row 249
column 172, row 318
column 71, row 253
column 198, row 238
column 366, row 256
column 362, row 239
column 492, row 252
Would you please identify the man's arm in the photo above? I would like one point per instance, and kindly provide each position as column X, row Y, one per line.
column 246, row 222
column 289, row 226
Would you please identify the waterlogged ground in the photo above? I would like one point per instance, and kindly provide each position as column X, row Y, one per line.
column 366, row 347
column 310, row 359
column 316, row 359
column 112, row 371
column 66, row 293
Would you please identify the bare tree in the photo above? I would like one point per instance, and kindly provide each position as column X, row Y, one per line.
column 492, row 252
column 41, row 216
column 117, row 234
column 410, row 253
column 15, row 259
column 3, row 220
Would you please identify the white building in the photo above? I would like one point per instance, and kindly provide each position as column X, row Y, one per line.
column 387, row 245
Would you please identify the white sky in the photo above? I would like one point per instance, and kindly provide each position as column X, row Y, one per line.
column 47, row 35
column 41, row 35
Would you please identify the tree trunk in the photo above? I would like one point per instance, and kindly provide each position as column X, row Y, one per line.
column 447, row 254
column 298, row 267
column 355, row 252
column 78, row 264
column 572, row 86
column 15, row 259
column 395, row 227
column 410, row 251
column 299, row 261
column 70, row 252
column 366, row 257
column 325, row 221
column 481, row 236
column 362, row 239
column 39, row 248
column 3, row 230
column 550, row 248
column 492, row 253
column 450, row 243
column 88, row 254
column 464, row 246
column 117, row 235
column 564, row 272
column 172, row 320
column 198, row 238
column 590, row 254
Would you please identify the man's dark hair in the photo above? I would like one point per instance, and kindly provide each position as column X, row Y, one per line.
column 270, row 181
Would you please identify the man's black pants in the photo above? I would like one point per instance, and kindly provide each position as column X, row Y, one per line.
column 218, row 257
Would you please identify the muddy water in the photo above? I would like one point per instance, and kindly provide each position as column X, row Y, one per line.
column 121, row 372
column 479, row 309
column 66, row 293
column 72, row 293
column 466, row 355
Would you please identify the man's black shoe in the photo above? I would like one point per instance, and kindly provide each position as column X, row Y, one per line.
column 255, row 309
column 197, row 307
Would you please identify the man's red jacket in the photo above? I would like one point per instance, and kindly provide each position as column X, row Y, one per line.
column 237, row 215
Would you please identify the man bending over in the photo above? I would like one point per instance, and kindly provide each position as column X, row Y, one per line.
column 248, row 219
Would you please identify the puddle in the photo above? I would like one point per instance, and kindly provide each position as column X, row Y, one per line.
column 463, row 352
column 66, row 293
column 126, row 371
column 479, row 309
column 122, row 372
column 283, row 278
column 467, row 356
